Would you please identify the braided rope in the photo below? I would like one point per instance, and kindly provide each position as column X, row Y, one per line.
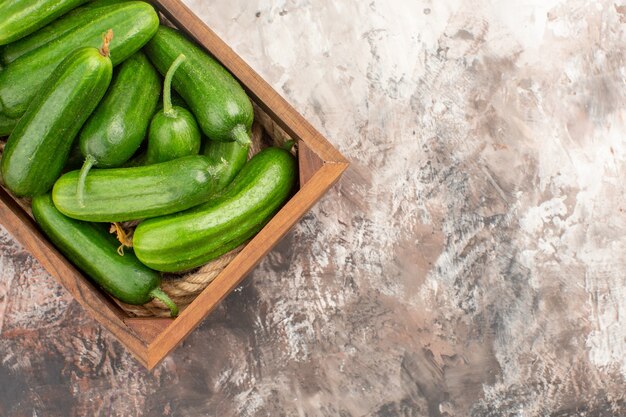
column 182, row 290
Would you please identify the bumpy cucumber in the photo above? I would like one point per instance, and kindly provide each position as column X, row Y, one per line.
column 94, row 251
column 189, row 239
column 221, row 106
column 232, row 154
column 174, row 132
column 121, row 194
column 72, row 20
column 133, row 23
column 39, row 146
column 119, row 124
column 23, row 17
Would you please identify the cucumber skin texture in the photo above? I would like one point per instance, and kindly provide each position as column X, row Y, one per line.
column 173, row 137
column 21, row 17
column 122, row 194
column 115, row 130
column 133, row 24
column 192, row 238
column 6, row 126
column 94, row 251
column 235, row 155
column 80, row 16
column 214, row 96
column 40, row 144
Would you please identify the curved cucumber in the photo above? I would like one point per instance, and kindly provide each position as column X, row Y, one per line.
column 221, row 106
column 122, row 194
column 40, row 145
column 232, row 154
column 133, row 23
column 119, row 124
column 174, row 132
column 94, row 251
column 186, row 240
column 23, row 17
column 76, row 18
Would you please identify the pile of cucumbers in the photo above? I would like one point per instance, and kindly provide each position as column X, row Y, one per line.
column 88, row 84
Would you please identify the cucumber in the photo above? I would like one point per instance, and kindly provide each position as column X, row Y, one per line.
column 235, row 156
column 40, row 145
column 76, row 18
column 119, row 124
column 122, row 194
column 133, row 23
column 6, row 126
column 94, row 251
column 221, row 106
column 23, row 17
column 174, row 132
column 192, row 238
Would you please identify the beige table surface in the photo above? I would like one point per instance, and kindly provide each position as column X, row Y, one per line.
column 472, row 261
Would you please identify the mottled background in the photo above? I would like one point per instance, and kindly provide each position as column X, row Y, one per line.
column 471, row 262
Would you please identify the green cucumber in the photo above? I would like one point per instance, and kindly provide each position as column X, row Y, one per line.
column 119, row 124
column 40, row 144
column 94, row 251
column 74, row 19
column 174, row 132
column 6, row 125
column 133, row 23
column 23, row 17
column 221, row 106
column 122, row 194
column 192, row 238
column 235, row 156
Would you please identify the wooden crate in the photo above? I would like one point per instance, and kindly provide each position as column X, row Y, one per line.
column 151, row 339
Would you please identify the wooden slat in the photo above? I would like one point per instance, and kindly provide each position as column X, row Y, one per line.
column 147, row 328
column 309, row 163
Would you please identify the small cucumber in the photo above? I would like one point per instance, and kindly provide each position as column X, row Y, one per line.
column 40, row 145
column 122, row 194
column 235, row 156
column 94, row 251
column 223, row 109
column 192, row 238
column 119, row 124
column 76, row 18
column 134, row 23
column 174, row 132
column 23, row 17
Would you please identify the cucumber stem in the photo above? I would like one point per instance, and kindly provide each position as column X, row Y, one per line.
column 167, row 85
column 241, row 135
column 90, row 161
column 159, row 294
column 106, row 42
